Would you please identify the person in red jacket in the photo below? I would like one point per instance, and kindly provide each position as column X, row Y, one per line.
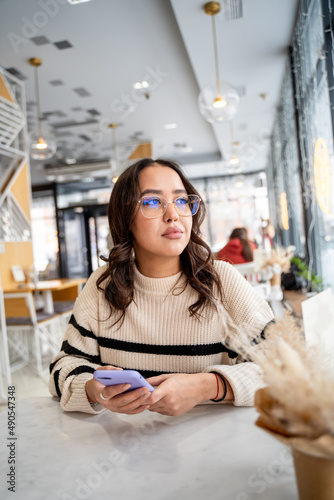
column 239, row 249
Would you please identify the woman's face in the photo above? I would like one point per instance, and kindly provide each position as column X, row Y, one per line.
column 168, row 235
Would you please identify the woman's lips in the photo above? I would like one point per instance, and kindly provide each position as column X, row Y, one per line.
column 173, row 233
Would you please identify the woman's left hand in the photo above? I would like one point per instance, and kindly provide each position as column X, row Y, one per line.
column 177, row 393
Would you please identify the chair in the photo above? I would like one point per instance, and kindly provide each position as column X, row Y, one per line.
column 4, row 355
column 248, row 271
column 64, row 310
column 21, row 321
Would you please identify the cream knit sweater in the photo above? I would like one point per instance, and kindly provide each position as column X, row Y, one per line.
column 159, row 336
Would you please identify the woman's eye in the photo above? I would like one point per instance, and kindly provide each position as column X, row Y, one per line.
column 152, row 202
column 182, row 201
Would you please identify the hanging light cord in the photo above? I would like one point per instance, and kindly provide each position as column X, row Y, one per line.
column 114, row 147
column 231, row 132
column 215, row 52
column 37, row 103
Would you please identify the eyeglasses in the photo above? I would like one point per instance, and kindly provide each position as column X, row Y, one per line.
column 153, row 207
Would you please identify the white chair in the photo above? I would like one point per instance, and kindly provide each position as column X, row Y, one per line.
column 248, row 271
column 64, row 310
column 45, row 328
column 4, row 355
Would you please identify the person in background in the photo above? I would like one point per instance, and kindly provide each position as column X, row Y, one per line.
column 239, row 249
column 161, row 305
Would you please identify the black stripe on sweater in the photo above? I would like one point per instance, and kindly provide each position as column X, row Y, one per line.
column 84, row 332
column 81, row 369
column 151, row 373
column 176, row 350
column 56, row 381
column 52, row 365
column 73, row 351
column 262, row 335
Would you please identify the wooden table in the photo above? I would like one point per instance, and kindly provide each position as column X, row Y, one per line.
column 294, row 298
column 52, row 290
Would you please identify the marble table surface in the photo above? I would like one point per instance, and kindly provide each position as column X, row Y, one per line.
column 211, row 452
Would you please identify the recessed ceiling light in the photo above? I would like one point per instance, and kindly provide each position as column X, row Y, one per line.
column 183, row 147
column 169, row 126
column 141, row 85
column 73, row 2
column 88, row 179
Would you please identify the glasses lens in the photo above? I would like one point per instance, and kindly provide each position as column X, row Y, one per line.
column 155, row 206
column 152, row 206
column 187, row 205
column 194, row 202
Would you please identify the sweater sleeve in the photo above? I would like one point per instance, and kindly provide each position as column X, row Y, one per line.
column 248, row 315
column 79, row 356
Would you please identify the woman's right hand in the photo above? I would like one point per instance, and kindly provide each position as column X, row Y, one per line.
column 116, row 400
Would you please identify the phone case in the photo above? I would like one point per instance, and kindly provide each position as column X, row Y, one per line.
column 115, row 377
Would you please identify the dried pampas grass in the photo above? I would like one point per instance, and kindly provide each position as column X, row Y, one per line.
column 279, row 257
column 299, row 397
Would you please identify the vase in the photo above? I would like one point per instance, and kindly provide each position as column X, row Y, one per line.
column 315, row 476
column 276, row 293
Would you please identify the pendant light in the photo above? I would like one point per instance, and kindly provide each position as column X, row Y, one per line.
column 218, row 102
column 42, row 147
column 234, row 160
column 115, row 169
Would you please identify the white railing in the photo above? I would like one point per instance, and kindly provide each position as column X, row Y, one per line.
column 12, row 121
column 14, row 224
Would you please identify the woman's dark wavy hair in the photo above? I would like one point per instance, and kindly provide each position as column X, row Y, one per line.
column 196, row 259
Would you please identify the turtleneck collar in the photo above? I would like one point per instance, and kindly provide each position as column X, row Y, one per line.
column 158, row 286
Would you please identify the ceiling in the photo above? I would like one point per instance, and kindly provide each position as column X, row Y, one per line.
column 93, row 52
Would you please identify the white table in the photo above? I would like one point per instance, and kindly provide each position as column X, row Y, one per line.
column 212, row 452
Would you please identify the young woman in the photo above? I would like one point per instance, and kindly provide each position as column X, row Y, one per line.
column 161, row 306
column 239, row 248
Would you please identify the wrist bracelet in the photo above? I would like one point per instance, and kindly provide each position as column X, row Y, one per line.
column 216, row 396
column 225, row 388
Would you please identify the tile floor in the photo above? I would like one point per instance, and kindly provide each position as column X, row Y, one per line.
column 27, row 384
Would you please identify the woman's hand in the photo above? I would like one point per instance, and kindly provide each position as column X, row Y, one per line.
column 177, row 393
column 130, row 402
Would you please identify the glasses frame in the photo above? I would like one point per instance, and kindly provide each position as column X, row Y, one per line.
column 166, row 205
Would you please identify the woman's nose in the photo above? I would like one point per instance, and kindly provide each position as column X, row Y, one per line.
column 171, row 212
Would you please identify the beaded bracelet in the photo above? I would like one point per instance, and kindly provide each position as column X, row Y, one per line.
column 225, row 387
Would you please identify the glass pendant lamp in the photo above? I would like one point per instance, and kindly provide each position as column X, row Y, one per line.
column 217, row 102
column 42, row 147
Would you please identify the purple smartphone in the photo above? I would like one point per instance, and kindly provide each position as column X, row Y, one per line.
column 115, row 377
